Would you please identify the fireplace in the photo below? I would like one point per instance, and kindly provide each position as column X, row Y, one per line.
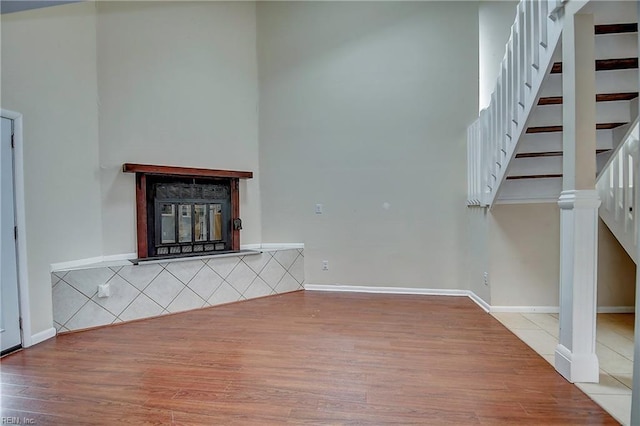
column 186, row 211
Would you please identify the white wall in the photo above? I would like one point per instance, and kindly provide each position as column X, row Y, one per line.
column 49, row 75
column 478, row 254
column 525, row 259
column 616, row 271
column 494, row 25
column 104, row 84
column 525, row 255
column 362, row 104
column 178, row 86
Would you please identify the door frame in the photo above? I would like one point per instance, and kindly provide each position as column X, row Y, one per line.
column 20, row 212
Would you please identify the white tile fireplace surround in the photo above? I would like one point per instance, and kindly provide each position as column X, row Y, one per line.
column 152, row 289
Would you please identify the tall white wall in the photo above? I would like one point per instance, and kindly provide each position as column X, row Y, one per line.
column 49, row 75
column 178, row 86
column 494, row 25
column 364, row 108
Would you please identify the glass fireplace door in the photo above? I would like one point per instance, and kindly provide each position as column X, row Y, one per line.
column 191, row 225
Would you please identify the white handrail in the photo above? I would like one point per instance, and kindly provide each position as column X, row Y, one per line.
column 618, row 190
column 492, row 139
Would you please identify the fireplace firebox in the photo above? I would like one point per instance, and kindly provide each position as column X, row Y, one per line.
column 186, row 211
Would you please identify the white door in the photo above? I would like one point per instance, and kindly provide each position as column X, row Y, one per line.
column 9, row 302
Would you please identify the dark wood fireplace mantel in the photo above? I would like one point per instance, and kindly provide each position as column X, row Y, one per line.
column 147, row 172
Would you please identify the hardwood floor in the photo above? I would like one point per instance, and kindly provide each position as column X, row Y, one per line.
column 303, row 357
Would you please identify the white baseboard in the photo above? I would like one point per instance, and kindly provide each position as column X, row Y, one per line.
column 453, row 292
column 616, row 309
column 400, row 290
column 479, row 301
column 556, row 309
column 526, row 309
column 39, row 337
column 385, row 290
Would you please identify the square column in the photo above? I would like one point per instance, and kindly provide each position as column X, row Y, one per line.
column 575, row 356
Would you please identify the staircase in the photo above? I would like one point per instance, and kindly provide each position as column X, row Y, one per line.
column 515, row 146
column 617, row 185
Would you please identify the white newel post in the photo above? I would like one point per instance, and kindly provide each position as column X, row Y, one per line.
column 575, row 356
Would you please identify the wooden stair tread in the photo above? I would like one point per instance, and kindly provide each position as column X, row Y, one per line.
column 549, row 176
column 550, row 154
column 605, row 65
column 551, row 129
column 616, row 28
column 601, row 97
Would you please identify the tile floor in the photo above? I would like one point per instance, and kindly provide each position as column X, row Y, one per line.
column 614, row 347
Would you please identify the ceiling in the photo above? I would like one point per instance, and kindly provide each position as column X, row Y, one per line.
column 10, row 6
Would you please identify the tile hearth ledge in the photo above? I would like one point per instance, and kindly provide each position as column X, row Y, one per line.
column 156, row 288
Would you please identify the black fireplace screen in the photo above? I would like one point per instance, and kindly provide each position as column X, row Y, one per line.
column 190, row 216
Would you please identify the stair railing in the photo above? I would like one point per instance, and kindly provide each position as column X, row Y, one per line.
column 617, row 187
column 492, row 139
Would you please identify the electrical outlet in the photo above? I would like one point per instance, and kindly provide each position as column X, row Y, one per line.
column 104, row 290
column 485, row 276
column 325, row 265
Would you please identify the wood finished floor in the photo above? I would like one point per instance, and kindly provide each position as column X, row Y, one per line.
column 303, row 357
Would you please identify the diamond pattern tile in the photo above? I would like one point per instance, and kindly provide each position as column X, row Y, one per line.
column 272, row 273
column 185, row 271
column 142, row 307
column 185, row 301
column 286, row 257
column 224, row 265
column 164, row 288
column 54, row 280
column 90, row 315
column 246, row 277
column 66, row 302
column 287, row 283
column 257, row 261
column 297, row 269
column 224, row 294
column 205, row 283
column 122, row 294
column 241, row 277
column 140, row 275
column 88, row 280
column 60, row 274
column 258, row 288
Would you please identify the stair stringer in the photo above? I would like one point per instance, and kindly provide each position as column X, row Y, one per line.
column 493, row 138
column 617, row 187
